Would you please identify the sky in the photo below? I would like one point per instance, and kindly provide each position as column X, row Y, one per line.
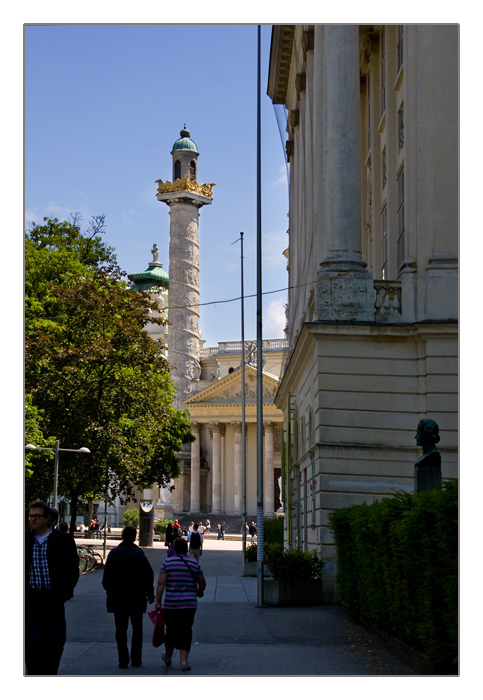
column 104, row 105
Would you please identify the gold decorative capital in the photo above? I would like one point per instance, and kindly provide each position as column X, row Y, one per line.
column 205, row 190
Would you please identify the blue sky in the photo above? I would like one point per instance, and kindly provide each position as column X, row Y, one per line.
column 103, row 107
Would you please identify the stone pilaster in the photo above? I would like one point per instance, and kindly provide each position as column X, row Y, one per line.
column 216, row 430
column 238, row 469
column 344, row 287
column 195, row 469
column 268, row 477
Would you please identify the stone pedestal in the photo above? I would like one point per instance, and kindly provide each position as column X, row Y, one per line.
column 344, row 296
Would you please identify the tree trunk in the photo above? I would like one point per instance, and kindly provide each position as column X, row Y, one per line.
column 73, row 513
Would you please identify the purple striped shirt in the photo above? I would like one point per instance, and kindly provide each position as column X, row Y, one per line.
column 180, row 591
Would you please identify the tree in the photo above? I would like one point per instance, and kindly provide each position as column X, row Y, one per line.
column 104, row 383
column 39, row 466
column 58, row 253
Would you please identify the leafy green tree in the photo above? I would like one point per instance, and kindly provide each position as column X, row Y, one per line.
column 59, row 253
column 131, row 517
column 103, row 383
column 39, row 466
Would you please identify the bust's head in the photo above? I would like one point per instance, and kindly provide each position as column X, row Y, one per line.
column 427, row 434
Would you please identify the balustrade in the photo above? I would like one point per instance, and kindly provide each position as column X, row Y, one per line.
column 387, row 300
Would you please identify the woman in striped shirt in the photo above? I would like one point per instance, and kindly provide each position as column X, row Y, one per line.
column 182, row 582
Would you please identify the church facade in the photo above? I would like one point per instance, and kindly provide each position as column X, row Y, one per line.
column 372, row 144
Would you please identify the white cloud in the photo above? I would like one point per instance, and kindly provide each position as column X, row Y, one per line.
column 274, row 319
column 282, row 178
column 273, row 245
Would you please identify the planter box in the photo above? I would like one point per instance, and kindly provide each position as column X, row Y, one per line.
column 250, row 568
column 292, row 592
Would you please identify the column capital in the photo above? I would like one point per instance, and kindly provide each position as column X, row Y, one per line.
column 268, row 426
column 217, row 427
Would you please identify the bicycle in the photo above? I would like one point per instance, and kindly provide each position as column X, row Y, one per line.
column 88, row 559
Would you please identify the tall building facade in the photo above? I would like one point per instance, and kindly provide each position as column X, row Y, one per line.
column 372, row 143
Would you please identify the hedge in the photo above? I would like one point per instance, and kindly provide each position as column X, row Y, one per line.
column 398, row 569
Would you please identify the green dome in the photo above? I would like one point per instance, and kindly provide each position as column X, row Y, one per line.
column 152, row 278
column 185, row 143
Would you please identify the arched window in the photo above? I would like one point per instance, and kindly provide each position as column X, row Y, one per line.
column 177, row 170
column 193, row 170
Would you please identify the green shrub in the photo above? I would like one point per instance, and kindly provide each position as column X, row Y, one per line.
column 161, row 525
column 251, row 550
column 397, row 565
column 131, row 517
column 273, row 531
column 294, row 564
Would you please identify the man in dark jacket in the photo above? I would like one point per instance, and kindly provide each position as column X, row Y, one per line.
column 51, row 574
column 129, row 582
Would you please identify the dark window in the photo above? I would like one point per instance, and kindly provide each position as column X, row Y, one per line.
column 384, row 243
column 383, row 73
column 400, row 220
column 177, row 170
column 193, row 170
column 400, row 46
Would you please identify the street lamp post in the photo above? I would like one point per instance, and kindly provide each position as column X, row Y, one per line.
column 56, row 451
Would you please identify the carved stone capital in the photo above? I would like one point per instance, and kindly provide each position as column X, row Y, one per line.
column 217, row 427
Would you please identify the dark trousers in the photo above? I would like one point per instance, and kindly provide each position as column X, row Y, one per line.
column 179, row 628
column 121, row 619
column 44, row 634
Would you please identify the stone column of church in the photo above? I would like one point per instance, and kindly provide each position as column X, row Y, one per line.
column 344, row 290
column 216, row 430
column 268, row 486
column 184, row 292
column 195, row 469
column 238, row 475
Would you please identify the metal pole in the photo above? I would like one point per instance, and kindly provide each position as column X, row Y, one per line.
column 244, row 463
column 259, row 349
column 105, row 515
column 56, row 472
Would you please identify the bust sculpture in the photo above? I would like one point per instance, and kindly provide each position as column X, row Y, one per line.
column 427, row 470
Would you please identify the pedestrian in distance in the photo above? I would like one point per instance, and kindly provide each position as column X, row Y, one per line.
column 221, row 531
column 252, row 531
column 207, row 527
column 129, row 583
column 182, row 582
column 52, row 572
column 169, row 535
column 195, row 541
column 176, row 530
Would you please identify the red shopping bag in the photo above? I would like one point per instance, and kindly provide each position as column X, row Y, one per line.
column 159, row 635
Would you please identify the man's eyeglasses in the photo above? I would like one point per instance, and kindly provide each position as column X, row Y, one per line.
column 36, row 516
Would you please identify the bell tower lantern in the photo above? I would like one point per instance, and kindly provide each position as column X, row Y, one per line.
column 185, row 157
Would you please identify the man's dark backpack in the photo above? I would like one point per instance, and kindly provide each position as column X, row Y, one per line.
column 195, row 540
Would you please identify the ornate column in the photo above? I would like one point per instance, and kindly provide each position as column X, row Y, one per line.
column 195, row 469
column 344, row 288
column 268, row 505
column 216, row 430
column 184, row 197
column 238, row 470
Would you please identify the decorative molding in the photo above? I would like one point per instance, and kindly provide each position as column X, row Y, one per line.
column 205, row 189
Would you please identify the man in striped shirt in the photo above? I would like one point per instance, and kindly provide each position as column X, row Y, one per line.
column 52, row 572
column 182, row 581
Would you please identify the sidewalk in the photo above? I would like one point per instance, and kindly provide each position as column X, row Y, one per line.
column 231, row 635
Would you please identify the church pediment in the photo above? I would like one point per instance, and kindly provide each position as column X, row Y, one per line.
column 229, row 389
